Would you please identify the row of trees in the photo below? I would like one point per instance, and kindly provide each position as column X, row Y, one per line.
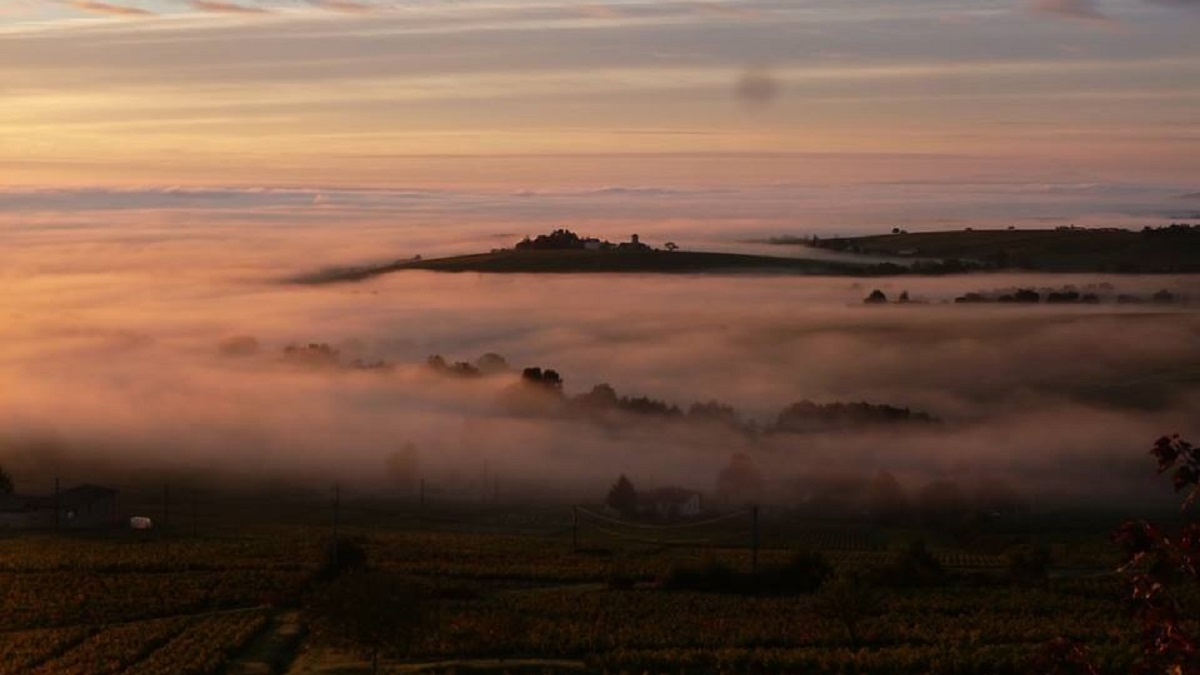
column 541, row 391
column 1065, row 295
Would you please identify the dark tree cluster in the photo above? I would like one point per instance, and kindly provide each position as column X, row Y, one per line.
column 6, row 482
column 644, row 405
column 807, row 416
column 313, row 354
column 540, row 391
column 603, row 399
column 1173, row 231
column 488, row 364
column 557, row 240
column 919, row 267
column 878, row 297
column 1091, row 294
column 324, row 355
column 547, row 379
column 623, row 497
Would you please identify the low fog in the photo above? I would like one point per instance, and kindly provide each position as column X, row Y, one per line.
column 126, row 357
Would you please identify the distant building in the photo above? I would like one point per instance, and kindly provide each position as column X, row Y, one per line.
column 85, row 506
column 671, row 502
column 634, row 244
column 592, row 244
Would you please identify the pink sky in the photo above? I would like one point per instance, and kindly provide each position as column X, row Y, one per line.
column 538, row 95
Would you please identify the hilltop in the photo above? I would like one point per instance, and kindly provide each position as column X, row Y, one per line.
column 1172, row 249
column 563, row 251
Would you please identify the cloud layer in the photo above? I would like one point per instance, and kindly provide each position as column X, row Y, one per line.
column 112, row 360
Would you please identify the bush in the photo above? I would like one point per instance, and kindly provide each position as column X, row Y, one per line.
column 915, row 567
column 804, row 573
column 341, row 556
column 712, row 576
column 1027, row 563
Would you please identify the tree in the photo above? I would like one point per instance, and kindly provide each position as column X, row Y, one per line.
column 622, row 497
column 550, row 379
column 671, row 246
column 1027, row 563
column 942, row 505
column 491, row 363
column 368, row 611
column 740, row 480
column 715, row 411
column 877, row 297
column 601, row 397
column 887, row 501
column 1157, row 562
column 403, row 467
column 6, row 482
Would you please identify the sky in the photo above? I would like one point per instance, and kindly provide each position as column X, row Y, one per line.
column 167, row 166
column 679, row 109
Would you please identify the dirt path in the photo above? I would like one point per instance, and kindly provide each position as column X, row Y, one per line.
column 328, row 662
column 274, row 650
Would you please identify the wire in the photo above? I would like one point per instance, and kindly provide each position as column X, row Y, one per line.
column 647, row 526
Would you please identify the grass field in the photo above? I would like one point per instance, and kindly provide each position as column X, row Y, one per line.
column 1067, row 250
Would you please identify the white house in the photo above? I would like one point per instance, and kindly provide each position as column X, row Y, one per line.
column 671, row 502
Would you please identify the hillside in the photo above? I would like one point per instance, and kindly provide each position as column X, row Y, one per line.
column 1172, row 249
column 584, row 261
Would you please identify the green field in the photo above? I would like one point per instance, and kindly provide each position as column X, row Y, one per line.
column 506, row 590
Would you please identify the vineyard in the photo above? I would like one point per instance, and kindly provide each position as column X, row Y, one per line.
column 595, row 596
column 109, row 606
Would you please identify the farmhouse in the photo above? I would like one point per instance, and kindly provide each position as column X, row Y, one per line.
column 670, row 502
column 84, row 506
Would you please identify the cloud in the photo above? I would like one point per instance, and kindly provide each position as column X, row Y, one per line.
column 350, row 6
column 1081, row 10
column 226, row 7
column 108, row 8
column 1186, row 4
column 757, row 85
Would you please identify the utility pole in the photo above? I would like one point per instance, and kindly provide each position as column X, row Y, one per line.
column 754, row 539
column 337, row 507
column 484, row 483
column 575, row 530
